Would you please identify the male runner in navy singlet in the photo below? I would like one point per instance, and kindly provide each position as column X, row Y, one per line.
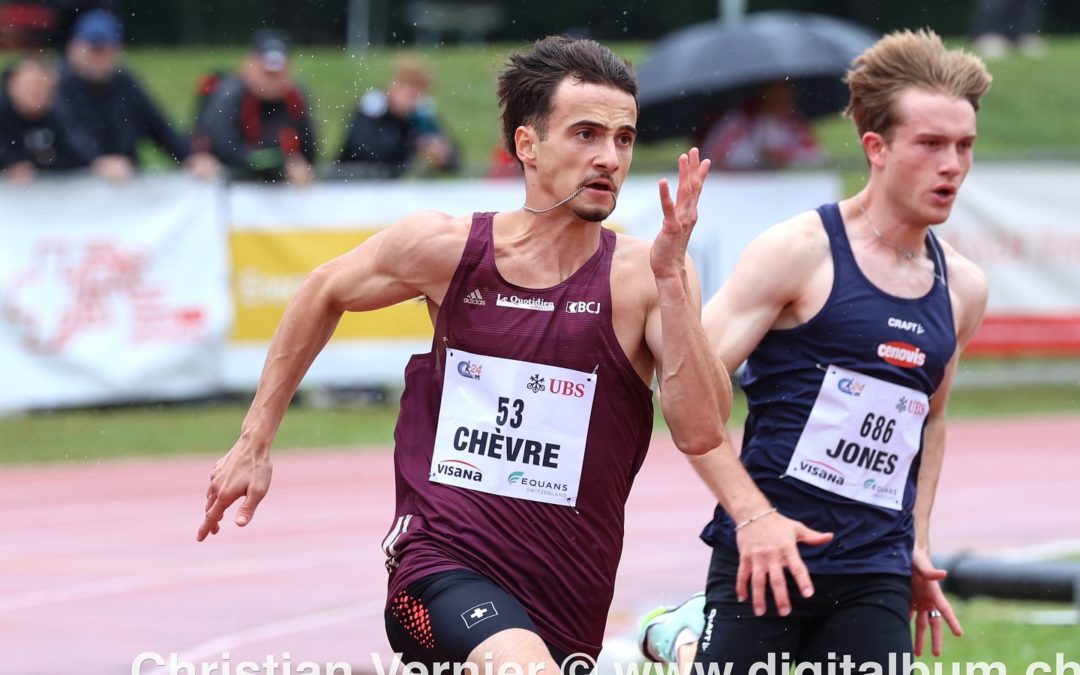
column 851, row 319
column 521, row 431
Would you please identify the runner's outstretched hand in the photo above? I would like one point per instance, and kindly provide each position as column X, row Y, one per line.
column 766, row 547
column 668, row 255
column 929, row 604
column 243, row 472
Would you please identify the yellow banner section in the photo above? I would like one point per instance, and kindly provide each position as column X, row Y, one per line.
column 268, row 267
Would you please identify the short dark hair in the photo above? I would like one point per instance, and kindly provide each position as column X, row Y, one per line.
column 527, row 84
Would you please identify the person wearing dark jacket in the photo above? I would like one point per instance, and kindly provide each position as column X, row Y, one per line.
column 31, row 137
column 107, row 108
column 257, row 122
column 396, row 131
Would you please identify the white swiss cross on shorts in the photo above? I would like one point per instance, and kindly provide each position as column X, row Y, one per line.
column 475, row 615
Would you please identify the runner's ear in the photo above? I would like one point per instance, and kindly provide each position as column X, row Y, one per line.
column 525, row 139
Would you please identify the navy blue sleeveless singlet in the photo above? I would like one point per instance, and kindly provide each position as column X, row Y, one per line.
column 861, row 328
column 558, row 561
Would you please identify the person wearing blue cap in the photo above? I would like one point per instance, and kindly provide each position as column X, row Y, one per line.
column 108, row 108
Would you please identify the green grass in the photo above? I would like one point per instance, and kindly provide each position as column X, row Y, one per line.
column 997, row 630
column 1004, row 402
column 80, row 435
column 1030, row 111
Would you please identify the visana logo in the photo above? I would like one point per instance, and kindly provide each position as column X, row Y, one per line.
column 469, row 370
column 901, row 354
column 822, row 470
column 535, row 304
column 582, row 307
column 911, row 326
column 851, row 387
column 455, row 468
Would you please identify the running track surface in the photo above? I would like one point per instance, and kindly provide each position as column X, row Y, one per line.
column 98, row 562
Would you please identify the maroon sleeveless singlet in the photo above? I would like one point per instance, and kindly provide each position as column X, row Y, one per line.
column 558, row 561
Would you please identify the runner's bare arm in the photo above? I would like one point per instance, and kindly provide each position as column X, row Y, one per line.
column 413, row 257
column 735, row 320
column 695, row 393
column 969, row 294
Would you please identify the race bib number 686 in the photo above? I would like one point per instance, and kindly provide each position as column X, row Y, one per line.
column 861, row 438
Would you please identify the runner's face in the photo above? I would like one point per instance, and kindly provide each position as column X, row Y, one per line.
column 929, row 155
column 590, row 142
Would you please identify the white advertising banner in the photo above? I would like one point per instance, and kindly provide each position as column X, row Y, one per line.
column 115, row 293
column 111, row 293
column 279, row 234
column 1021, row 224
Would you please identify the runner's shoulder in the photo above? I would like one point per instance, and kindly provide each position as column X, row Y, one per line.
column 430, row 234
column 425, row 225
column 630, row 248
column 964, row 275
column 969, row 289
column 798, row 244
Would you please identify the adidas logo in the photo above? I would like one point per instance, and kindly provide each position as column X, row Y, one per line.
column 475, row 298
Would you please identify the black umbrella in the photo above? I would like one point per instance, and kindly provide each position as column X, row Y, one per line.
column 698, row 71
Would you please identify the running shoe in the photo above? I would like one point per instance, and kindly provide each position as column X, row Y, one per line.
column 665, row 629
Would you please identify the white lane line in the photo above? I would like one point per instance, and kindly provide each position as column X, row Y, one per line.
column 213, row 650
column 125, row 584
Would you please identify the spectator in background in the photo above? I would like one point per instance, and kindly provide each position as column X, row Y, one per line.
column 999, row 25
column 257, row 122
column 31, row 137
column 396, row 131
column 107, row 110
column 765, row 132
column 501, row 164
column 26, row 24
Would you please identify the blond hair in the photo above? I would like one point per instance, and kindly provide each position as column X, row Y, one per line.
column 411, row 69
column 902, row 60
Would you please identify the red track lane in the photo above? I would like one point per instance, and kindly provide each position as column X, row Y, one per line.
column 98, row 563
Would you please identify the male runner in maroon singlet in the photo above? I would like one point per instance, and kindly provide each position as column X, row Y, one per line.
column 521, row 431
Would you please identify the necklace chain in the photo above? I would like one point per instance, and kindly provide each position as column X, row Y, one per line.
column 909, row 254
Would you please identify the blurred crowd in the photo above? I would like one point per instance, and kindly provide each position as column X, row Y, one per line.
column 82, row 110
column 68, row 103
column 76, row 107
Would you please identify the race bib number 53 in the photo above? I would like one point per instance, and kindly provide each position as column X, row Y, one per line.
column 861, row 438
column 512, row 428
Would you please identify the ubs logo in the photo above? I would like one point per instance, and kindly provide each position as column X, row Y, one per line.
column 917, row 408
column 536, row 384
column 567, row 388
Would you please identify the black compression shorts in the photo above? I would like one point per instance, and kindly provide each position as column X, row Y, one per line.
column 861, row 617
column 442, row 617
